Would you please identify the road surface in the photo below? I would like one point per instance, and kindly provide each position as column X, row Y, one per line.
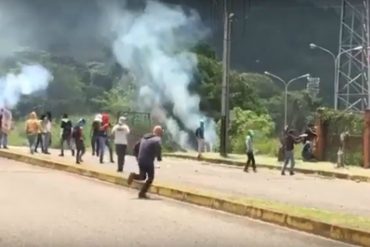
column 42, row 207
column 311, row 191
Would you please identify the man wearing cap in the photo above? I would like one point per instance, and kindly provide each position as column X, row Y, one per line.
column 119, row 134
column 146, row 151
column 199, row 133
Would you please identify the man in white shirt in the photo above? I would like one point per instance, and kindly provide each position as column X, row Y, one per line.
column 120, row 133
column 250, row 151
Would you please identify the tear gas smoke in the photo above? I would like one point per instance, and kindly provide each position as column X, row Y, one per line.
column 154, row 45
column 30, row 79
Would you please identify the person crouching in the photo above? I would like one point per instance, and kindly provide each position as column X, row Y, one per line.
column 78, row 138
column 146, row 151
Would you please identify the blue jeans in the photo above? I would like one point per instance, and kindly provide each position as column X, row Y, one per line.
column 3, row 139
column 102, row 140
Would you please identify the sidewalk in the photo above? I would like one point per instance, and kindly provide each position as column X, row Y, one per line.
column 326, row 169
column 342, row 196
column 333, row 208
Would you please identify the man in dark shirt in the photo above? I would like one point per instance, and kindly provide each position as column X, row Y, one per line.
column 146, row 151
column 290, row 140
column 66, row 134
column 79, row 140
column 94, row 134
column 39, row 141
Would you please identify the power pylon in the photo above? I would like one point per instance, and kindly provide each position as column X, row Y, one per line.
column 353, row 71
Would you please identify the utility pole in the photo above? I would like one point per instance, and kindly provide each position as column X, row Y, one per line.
column 225, row 83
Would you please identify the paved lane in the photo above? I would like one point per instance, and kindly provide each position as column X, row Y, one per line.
column 42, row 207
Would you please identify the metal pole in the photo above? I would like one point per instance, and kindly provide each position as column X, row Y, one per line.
column 314, row 46
column 367, row 6
column 223, row 131
column 286, row 105
column 341, row 34
column 336, row 83
column 227, row 97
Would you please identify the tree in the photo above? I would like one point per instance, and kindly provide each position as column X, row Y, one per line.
column 243, row 92
column 244, row 120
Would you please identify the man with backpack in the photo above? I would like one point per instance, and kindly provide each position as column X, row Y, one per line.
column 78, row 138
column 66, row 134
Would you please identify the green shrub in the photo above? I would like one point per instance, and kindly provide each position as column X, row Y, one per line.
column 261, row 124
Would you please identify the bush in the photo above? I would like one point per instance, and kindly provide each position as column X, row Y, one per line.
column 261, row 124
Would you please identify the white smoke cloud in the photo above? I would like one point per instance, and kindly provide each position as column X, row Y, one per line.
column 30, row 79
column 154, row 45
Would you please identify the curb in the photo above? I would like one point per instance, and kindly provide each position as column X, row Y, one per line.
column 238, row 164
column 339, row 233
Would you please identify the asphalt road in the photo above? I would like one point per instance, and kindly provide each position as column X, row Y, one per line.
column 42, row 207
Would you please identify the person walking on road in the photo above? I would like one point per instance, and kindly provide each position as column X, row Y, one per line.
column 5, row 126
column 289, row 142
column 146, row 151
column 250, row 151
column 94, row 134
column 66, row 134
column 46, row 134
column 77, row 135
column 119, row 133
column 39, row 136
column 103, row 138
column 32, row 129
column 199, row 133
column 1, row 124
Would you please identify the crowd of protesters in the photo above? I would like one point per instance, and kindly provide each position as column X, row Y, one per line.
column 103, row 136
column 106, row 136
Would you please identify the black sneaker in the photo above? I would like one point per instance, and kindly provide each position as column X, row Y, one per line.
column 61, row 155
column 5, row 147
column 143, row 196
column 282, row 173
column 291, row 173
